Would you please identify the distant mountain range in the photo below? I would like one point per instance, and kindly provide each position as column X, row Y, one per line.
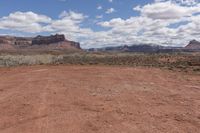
column 58, row 42
column 149, row 48
column 38, row 43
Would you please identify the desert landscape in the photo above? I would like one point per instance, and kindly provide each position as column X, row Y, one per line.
column 49, row 84
column 57, row 90
column 100, row 66
column 98, row 99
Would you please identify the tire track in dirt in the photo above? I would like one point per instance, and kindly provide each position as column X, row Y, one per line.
column 42, row 124
column 17, row 96
column 98, row 99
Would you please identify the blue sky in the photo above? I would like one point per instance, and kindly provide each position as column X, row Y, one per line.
column 54, row 7
column 99, row 23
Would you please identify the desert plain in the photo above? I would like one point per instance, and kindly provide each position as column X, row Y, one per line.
column 98, row 99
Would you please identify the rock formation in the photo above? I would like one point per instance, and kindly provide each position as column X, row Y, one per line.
column 193, row 45
column 39, row 40
column 22, row 41
column 52, row 42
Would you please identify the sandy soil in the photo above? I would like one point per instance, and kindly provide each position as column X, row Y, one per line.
column 97, row 99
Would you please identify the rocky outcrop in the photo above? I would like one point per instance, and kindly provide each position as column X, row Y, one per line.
column 7, row 40
column 75, row 44
column 193, row 45
column 52, row 42
column 40, row 40
column 22, row 41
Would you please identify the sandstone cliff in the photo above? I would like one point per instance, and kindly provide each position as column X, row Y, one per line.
column 40, row 40
column 53, row 42
column 193, row 45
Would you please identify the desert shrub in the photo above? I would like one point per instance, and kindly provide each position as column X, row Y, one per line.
column 180, row 61
column 16, row 60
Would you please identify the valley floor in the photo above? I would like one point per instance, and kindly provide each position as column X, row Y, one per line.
column 100, row 99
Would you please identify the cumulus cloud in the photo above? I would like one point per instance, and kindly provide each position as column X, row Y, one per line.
column 69, row 24
column 161, row 22
column 167, row 10
column 99, row 16
column 182, row 2
column 25, row 21
column 78, row 17
column 99, row 7
column 29, row 22
column 110, row 10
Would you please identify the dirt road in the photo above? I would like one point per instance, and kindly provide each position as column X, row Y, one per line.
column 97, row 99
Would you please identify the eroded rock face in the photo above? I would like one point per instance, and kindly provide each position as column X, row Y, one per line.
column 7, row 40
column 23, row 41
column 45, row 42
column 18, row 41
column 193, row 45
column 75, row 44
column 39, row 40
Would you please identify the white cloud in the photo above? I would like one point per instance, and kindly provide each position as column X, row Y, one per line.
column 72, row 16
column 110, row 1
column 167, row 10
column 99, row 7
column 154, row 25
column 69, row 24
column 27, row 16
column 110, row 10
column 99, row 16
column 25, row 21
column 164, row 23
column 187, row 2
column 182, row 2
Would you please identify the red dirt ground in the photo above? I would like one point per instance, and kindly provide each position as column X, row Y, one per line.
column 98, row 99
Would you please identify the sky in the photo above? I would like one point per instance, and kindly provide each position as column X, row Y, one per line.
column 103, row 23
